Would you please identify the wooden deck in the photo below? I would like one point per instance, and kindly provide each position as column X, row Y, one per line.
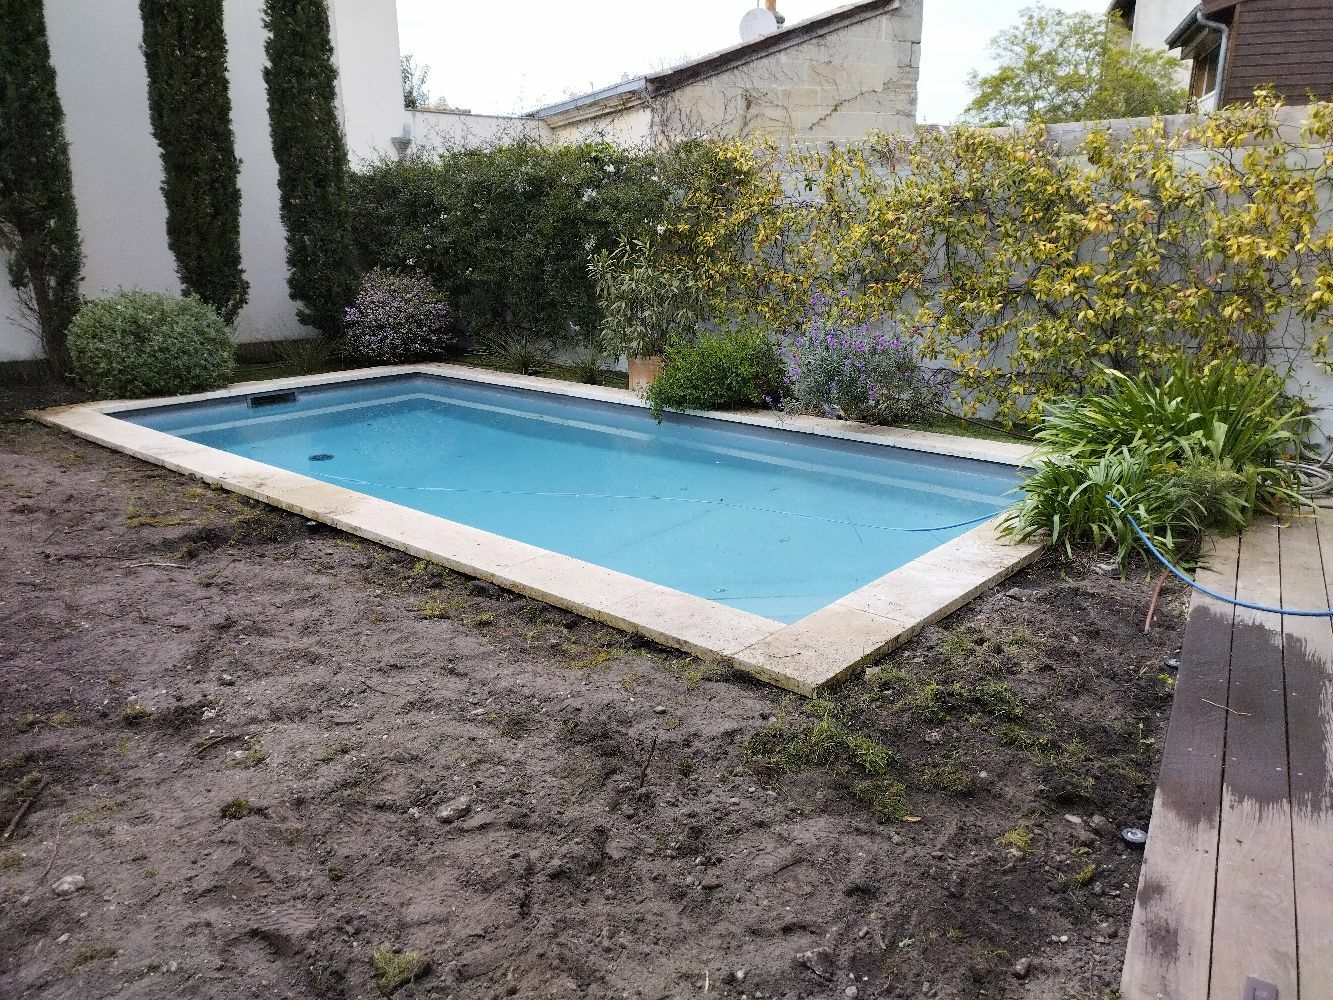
column 1235, row 899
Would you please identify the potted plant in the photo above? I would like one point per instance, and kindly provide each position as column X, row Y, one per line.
column 646, row 303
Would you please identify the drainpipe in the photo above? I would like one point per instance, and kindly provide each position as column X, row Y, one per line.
column 1203, row 22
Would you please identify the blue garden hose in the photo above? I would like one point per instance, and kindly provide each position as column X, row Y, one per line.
column 1200, row 587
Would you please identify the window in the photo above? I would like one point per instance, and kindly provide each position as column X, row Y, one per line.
column 1203, row 77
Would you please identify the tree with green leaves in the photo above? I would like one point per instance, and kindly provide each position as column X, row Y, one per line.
column 415, row 92
column 1056, row 66
column 189, row 104
column 311, row 152
column 39, row 229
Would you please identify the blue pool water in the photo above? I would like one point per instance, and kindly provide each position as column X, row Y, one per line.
column 773, row 522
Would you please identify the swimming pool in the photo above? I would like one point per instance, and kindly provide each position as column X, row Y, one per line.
column 773, row 526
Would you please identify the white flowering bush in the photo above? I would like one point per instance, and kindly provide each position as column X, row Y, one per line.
column 397, row 317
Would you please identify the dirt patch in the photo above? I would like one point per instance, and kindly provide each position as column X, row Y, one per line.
column 292, row 763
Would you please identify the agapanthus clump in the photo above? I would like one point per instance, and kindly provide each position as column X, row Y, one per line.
column 860, row 372
column 398, row 317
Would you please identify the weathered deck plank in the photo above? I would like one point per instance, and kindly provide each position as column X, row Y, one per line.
column 1254, row 920
column 1169, row 950
column 1307, row 645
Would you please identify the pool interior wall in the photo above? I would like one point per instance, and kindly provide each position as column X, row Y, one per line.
column 771, row 522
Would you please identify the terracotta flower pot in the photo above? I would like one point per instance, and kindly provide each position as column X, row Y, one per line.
column 643, row 372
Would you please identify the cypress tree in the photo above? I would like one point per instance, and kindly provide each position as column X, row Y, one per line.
column 189, row 103
column 311, row 153
column 39, row 226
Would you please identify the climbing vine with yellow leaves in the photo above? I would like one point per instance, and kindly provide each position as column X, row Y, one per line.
column 1027, row 266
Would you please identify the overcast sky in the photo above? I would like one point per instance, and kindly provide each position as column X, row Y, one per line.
column 510, row 56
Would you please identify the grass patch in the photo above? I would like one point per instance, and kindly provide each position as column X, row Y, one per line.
column 238, row 808
column 826, row 741
column 11, row 861
column 333, row 751
column 1018, row 839
column 395, row 969
column 250, row 758
column 135, row 713
column 136, row 518
column 92, row 953
column 98, row 812
column 436, row 610
column 948, row 778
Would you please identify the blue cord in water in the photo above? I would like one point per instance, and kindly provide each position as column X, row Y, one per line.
column 619, row 496
column 1200, row 587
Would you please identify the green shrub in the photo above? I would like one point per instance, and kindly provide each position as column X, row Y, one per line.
column 648, row 301
column 506, row 232
column 1185, row 450
column 717, row 372
column 136, row 344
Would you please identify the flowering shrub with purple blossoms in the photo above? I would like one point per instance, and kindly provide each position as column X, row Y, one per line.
column 397, row 317
column 857, row 372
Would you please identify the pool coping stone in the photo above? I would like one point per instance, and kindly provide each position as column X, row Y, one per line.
column 805, row 657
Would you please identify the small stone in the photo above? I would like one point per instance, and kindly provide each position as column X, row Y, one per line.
column 739, row 975
column 1021, row 968
column 455, row 810
column 934, row 736
column 1020, row 594
column 63, row 938
column 660, row 710
column 1071, row 818
column 850, row 991
column 414, row 813
column 1085, row 837
column 227, row 680
column 69, row 885
column 1101, row 826
column 1098, row 889
column 817, row 960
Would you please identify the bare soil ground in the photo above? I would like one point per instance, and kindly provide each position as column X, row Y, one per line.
column 242, row 733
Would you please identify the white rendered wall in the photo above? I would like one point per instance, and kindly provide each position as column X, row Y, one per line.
column 370, row 83
column 117, row 167
column 270, row 313
column 1154, row 20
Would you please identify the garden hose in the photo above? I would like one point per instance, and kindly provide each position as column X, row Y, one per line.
column 1315, row 477
column 1322, row 613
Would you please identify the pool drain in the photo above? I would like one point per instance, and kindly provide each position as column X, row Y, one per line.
column 323, row 456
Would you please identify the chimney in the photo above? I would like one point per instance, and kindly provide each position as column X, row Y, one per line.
column 772, row 6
